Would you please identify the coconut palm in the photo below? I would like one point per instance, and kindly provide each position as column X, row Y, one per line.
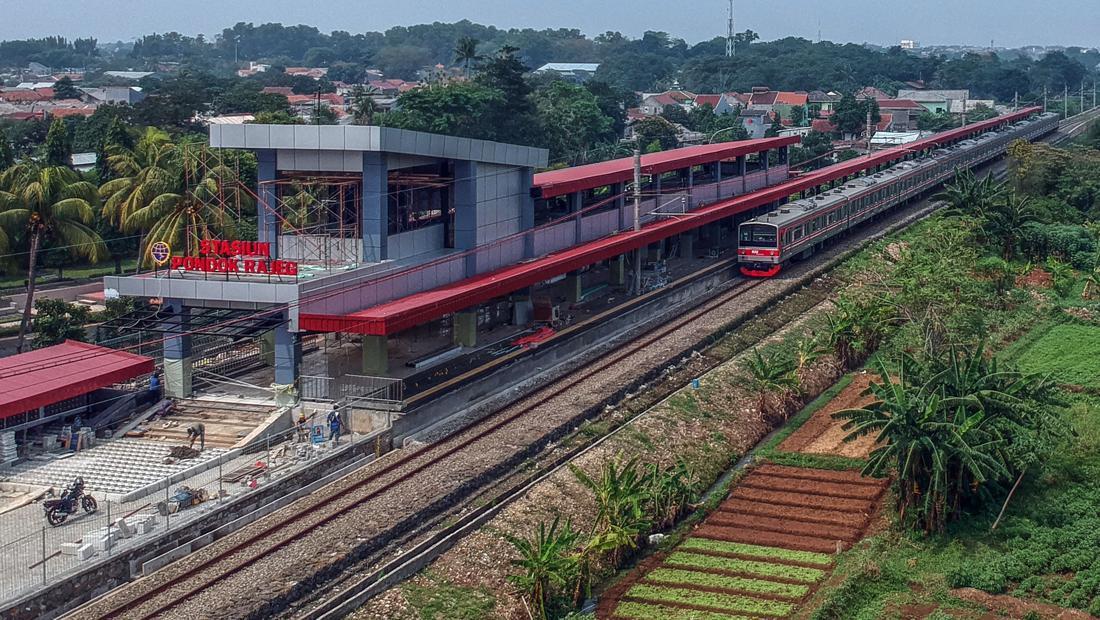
column 1004, row 220
column 49, row 203
column 194, row 206
column 466, row 53
column 775, row 382
column 547, row 562
column 363, row 106
column 143, row 173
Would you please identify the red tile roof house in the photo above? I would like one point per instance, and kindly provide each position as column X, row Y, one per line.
column 654, row 103
column 26, row 95
column 906, row 113
column 286, row 91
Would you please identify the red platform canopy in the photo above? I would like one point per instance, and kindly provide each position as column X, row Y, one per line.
column 54, row 374
column 590, row 176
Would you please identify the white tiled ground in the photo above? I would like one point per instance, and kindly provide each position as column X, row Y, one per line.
column 115, row 467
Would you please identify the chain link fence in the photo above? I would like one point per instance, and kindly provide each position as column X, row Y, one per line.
column 34, row 554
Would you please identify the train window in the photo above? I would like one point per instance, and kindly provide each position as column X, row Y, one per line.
column 759, row 235
column 798, row 232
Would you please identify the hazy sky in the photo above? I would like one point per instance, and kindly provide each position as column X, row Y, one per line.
column 1007, row 22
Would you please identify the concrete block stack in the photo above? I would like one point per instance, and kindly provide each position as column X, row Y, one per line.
column 8, row 448
column 82, row 551
column 144, row 523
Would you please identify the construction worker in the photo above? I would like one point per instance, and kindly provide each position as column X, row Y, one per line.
column 334, row 425
column 197, row 431
column 300, row 425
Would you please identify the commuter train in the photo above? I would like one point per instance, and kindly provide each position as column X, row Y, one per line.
column 796, row 229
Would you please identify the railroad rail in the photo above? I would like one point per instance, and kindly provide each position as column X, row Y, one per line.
column 284, row 528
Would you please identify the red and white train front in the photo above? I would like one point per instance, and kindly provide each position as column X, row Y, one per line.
column 758, row 250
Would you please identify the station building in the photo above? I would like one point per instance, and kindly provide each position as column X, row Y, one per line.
column 354, row 219
column 391, row 255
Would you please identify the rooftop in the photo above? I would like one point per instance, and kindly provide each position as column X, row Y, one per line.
column 46, row 376
column 373, row 139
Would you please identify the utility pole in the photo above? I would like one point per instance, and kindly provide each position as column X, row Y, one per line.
column 1065, row 101
column 1094, row 93
column 964, row 111
column 1082, row 95
column 869, row 132
column 731, row 45
column 1044, row 98
column 637, row 218
column 1016, row 101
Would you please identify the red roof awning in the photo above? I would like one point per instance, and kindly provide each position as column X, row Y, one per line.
column 401, row 314
column 590, row 176
column 46, row 376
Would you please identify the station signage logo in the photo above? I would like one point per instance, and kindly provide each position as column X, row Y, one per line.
column 239, row 257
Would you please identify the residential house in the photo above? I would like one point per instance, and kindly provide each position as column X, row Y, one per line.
column 654, row 103
column 391, row 87
column 822, row 101
column 763, row 98
column 315, row 73
column 756, row 122
column 726, row 103
column 37, row 68
column 576, row 72
column 83, row 162
column 786, row 102
column 253, row 68
column 935, row 101
column 128, row 95
column 36, row 85
column 75, row 108
column 906, row 112
column 132, row 76
column 285, row 91
column 26, row 95
column 971, row 105
column 870, row 92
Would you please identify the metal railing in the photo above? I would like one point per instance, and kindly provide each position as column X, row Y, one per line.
column 357, row 389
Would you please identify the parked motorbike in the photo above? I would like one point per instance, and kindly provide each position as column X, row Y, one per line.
column 72, row 499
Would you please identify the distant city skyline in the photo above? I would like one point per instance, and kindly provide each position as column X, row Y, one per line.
column 1008, row 23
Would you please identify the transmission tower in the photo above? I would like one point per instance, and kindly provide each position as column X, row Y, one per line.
column 731, row 47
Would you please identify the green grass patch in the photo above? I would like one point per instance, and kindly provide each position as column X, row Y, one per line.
column 643, row 611
column 710, row 580
column 729, row 602
column 443, row 601
column 812, row 461
column 750, row 567
column 771, row 553
column 1070, row 353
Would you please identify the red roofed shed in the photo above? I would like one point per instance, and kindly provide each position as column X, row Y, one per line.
column 43, row 377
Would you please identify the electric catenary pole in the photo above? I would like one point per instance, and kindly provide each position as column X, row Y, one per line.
column 731, row 45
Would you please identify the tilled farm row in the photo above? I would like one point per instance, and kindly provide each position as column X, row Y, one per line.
column 760, row 554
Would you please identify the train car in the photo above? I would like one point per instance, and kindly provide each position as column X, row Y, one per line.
column 794, row 230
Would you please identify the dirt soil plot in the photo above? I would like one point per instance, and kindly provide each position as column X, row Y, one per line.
column 821, row 434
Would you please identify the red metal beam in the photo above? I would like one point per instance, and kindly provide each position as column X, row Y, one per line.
column 407, row 312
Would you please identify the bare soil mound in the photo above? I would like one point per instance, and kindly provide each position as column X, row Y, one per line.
column 821, row 434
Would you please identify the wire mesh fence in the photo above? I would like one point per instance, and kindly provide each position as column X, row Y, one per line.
column 35, row 554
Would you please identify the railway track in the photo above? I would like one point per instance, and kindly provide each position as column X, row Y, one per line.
column 175, row 590
column 274, row 535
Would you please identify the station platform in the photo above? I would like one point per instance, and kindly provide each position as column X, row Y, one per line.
column 401, row 314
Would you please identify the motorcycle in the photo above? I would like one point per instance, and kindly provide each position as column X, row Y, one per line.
column 57, row 510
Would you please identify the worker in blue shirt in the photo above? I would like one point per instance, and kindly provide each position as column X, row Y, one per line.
column 154, row 388
column 334, row 429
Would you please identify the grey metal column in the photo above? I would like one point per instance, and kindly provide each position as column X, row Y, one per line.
column 375, row 207
column 466, row 212
column 177, row 352
column 267, row 223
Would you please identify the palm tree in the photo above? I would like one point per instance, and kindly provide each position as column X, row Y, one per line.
column 143, row 173
column 949, row 427
column 1005, row 219
column 194, row 204
column 968, row 195
column 49, row 203
column 466, row 53
column 547, row 562
column 363, row 107
column 772, row 376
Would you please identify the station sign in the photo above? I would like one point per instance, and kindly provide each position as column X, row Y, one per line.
column 223, row 256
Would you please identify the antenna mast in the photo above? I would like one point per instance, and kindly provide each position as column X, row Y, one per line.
column 730, row 46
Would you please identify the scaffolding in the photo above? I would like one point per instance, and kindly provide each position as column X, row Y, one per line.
column 322, row 214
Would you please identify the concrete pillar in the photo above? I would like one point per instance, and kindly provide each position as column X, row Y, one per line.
column 717, row 172
column 376, row 356
column 527, row 210
column 267, row 224
column 576, row 203
column 375, row 207
column 464, row 328
column 573, row 288
column 691, row 188
column 522, row 307
column 267, row 348
column 742, row 170
column 655, row 251
column 177, row 352
column 620, row 203
column 288, row 355
column 618, row 270
column 465, row 189
column 765, row 159
column 784, row 154
column 687, row 245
